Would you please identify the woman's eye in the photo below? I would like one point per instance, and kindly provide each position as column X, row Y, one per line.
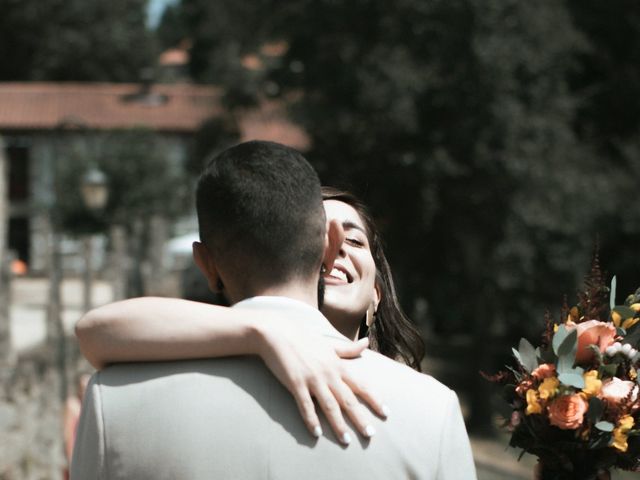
column 355, row 242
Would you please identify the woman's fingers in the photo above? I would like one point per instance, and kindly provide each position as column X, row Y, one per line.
column 357, row 413
column 367, row 395
column 351, row 349
column 332, row 410
column 308, row 410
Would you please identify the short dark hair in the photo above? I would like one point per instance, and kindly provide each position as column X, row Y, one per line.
column 260, row 209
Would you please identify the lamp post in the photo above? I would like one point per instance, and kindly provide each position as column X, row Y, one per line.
column 95, row 194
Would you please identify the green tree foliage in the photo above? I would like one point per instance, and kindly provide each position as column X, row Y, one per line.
column 82, row 40
column 496, row 140
column 139, row 173
column 172, row 28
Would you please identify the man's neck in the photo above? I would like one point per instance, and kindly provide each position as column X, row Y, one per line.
column 302, row 291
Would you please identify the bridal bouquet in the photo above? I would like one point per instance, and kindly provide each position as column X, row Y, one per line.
column 575, row 397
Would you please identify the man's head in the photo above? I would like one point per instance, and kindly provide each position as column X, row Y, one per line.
column 261, row 219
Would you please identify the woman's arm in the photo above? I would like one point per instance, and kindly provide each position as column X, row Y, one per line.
column 155, row 329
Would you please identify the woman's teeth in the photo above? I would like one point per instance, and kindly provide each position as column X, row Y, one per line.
column 339, row 274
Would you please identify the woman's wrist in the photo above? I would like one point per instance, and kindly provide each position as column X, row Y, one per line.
column 254, row 335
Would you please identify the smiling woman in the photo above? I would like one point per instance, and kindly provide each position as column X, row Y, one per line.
column 367, row 305
column 350, row 287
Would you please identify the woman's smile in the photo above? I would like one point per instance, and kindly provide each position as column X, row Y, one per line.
column 339, row 275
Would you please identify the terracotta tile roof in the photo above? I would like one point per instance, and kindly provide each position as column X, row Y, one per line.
column 269, row 122
column 106, row 106
column 174, row 57
column 111, row 106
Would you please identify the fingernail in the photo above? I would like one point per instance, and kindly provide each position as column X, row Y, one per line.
column 386, row 411
column 346, row 438
column 317, row 431
column 369, row 431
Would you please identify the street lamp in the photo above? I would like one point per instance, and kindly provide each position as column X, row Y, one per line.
column 95, row 191
column 95, row 194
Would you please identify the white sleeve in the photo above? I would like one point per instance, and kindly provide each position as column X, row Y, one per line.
column 88, row 460
column 456, row 459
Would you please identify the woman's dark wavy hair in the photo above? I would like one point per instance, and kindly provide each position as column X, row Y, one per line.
column 392, row 333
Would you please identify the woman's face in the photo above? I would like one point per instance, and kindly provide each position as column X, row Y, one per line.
column 350, row 286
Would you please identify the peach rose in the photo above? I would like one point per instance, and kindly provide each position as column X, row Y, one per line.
column 545, row 370
column 567, row 412
column 589, row 333
column 616, row 390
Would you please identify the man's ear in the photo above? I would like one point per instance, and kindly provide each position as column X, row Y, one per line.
column 333, row 241
column 207, row 265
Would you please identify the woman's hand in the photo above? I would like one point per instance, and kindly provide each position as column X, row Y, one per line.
column 315, row 366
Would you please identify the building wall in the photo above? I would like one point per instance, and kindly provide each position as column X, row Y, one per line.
column 46, row 153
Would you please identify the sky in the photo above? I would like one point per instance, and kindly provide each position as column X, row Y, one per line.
column 155, row 9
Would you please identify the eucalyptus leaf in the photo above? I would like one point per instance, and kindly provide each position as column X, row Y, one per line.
column 601, row 441
column 625, row 312
column 559, row 337
column 596, row 352
column 620, row 332
column 572, row 379
column 612, row 295
column 517, row 374
column 565, row 364
column 547, row 356
column 633, row 337
column 604, row 426
column 608, row 371
column 516, row 354
column 595, row 410
column 570, row 344
column 567, row 352
column 528, row 355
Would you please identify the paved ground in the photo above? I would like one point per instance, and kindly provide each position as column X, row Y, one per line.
column 494, row 460
column 28, row 313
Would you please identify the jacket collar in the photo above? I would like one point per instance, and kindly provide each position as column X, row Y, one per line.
column 308, row 316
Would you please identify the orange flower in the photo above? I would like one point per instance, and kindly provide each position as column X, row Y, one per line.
column 545, row 370
column 592, row 332
column 567, row 412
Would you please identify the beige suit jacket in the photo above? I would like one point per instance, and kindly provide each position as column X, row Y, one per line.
column 229, row 418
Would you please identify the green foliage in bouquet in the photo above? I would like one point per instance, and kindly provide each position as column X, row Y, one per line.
column 574, row 398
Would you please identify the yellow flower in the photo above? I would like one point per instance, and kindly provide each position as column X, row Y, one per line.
column 636, row 307
column 633, row 374
column 592, row 384
column 533, row 406
column 630, row 322
column 615, row 316
column 548, row 388
column 620, row 433
column 555, row 327
column 626, row 422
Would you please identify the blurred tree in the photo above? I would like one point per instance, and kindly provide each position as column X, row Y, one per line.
column 172, row 27
column 80, row 40
column 608, row 86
